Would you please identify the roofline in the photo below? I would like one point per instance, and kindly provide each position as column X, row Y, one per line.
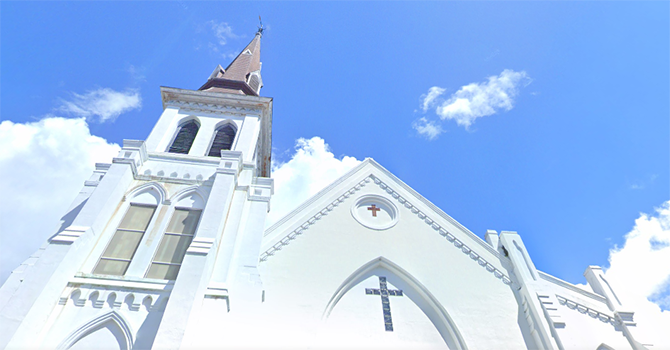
column 229, row 84
column 369, row 161
column 402, row 184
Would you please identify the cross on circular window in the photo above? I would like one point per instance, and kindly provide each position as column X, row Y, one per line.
column 375, row 212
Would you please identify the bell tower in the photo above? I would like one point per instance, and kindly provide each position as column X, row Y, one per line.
column 174, row 221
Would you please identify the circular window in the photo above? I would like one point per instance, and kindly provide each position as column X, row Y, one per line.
column 375, row 212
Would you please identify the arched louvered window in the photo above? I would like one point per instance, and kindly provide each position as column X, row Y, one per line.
column 254, row 83
column 184, row 140
column 223, row 140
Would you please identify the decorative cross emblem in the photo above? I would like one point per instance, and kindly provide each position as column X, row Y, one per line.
column 386, row 305
column 374, row 210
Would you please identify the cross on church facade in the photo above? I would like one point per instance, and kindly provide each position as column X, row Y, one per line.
column 374, row 210
column 386, row 305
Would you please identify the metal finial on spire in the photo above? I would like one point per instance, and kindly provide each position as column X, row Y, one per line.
column 260, row 28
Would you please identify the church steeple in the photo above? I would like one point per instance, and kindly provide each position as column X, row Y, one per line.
column 243, row 75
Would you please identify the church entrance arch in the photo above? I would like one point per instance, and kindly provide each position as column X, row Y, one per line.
column 107, row 331
column 411, row 288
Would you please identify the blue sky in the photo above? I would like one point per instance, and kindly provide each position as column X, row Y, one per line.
column 573, row 155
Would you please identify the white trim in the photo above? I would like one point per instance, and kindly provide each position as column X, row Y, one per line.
column 183, row 121
column 219, row 126
column 412, row 288
column 90, row 326
column 394, row 213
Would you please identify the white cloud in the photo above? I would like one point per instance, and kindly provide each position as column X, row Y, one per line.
column 428, row 129
column 104, row 103
column 43, row 167
column 474, row 100
column 429, row 98
column 478, row 100
column 639, row 273
column 223, row 31
column 311, row 168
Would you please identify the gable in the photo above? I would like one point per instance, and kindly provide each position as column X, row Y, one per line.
column 309, row 255
column 365, row 184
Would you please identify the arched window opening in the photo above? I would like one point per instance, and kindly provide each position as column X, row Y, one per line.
column 121, row 249
column 223, row 140
column 184, row 140
column 173, row 246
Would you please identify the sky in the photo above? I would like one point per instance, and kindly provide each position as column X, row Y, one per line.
column 546, row 118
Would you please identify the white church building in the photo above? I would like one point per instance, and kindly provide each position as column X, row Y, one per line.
column 166, row 248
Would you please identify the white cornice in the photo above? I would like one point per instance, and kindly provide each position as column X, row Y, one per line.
column 215, row 100
column 195, row 107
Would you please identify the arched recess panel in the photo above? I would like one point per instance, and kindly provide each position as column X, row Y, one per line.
column 223, row 140
column 184, row 140
column 152, row 193
column 411, row 288
column 108, row 331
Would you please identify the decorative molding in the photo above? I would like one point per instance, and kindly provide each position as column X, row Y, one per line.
column 380, row 223
column 603, row 317
column 549, row 278
column 129, row 161
column 313, row 219
column 115, row 297
column 200, row 246
column 86, row 328
column 98, row 174
column 186, row 179
column 213, row 108
column 551, row 310
column 443, row 231
column 404, row 203
column 150, row 186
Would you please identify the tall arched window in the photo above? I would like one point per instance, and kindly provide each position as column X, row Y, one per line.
column 175, row 242
column 223, row 140
column 184, row 140
column 121, row 249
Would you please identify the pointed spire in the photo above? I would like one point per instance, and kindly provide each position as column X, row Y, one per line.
column 243, row 75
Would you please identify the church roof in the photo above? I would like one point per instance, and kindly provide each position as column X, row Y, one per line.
column 242, row 76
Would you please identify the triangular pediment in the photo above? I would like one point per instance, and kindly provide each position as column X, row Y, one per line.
column 369, row 188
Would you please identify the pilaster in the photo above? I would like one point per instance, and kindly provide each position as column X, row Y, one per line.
column 197, row 266
column 27, row 311
column 623, row 315
column 160, row 136
column 530, row 293
column 248, row 137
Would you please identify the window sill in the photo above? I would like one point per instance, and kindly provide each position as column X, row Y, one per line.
column 122, row 281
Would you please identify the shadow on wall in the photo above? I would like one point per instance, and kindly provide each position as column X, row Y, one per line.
column 68, row 218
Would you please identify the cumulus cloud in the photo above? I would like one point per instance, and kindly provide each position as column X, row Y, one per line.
column 43, row 167
column 427, row 128
column 639, row 272
column 430, row 97
column 223, row 31
column 478, row 100
column 311, row 168
column 104, row 103
column 474, row 100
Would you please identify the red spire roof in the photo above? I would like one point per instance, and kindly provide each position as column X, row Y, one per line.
column 243, row 75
